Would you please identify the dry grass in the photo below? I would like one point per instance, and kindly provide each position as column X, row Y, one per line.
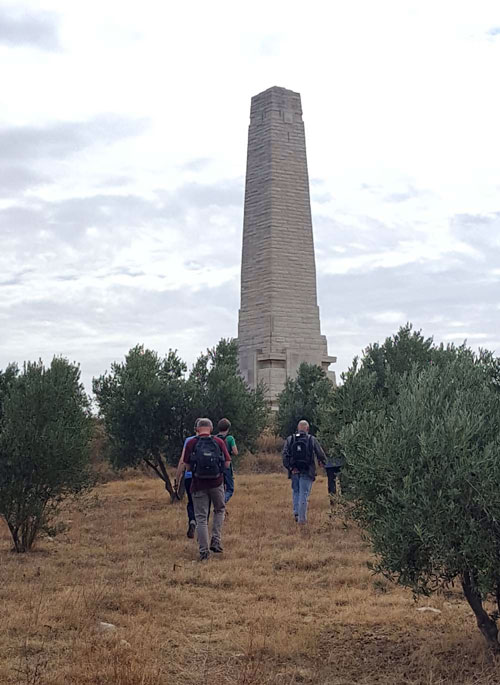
column 282, row 606
column 268, row 441
column 261, row 462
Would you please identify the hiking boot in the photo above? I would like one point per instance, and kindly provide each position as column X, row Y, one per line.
column 191, row 529
column 204, row 556
column 216, row 547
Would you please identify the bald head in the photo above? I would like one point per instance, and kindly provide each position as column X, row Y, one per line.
column 303, row 426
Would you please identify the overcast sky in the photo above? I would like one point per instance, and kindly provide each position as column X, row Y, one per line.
column 123, row 132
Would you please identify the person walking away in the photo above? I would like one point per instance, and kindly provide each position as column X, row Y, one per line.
column 299, row 451
column 188, row 476
column 207, row 457
column 332, row 468
column 223, row 428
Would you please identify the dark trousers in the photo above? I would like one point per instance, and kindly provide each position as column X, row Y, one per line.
column 228, row 483
column 331, row 473
column 190, row 505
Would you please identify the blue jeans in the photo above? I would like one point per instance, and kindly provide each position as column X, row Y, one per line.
column 228, row 483
column 301, row 489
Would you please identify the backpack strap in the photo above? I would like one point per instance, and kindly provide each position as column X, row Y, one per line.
column 223, row 438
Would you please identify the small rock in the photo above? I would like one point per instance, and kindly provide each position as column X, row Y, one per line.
column 432, row 609
column 107, row 627
column 124, row 643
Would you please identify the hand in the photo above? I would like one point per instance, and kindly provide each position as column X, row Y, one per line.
column 295, row 471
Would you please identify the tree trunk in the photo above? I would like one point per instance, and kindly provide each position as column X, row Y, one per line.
column 161, row 471
column 166, row 478
column 14, row 531
column 486, row 625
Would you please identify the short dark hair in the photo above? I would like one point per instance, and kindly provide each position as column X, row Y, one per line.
column 223, row 425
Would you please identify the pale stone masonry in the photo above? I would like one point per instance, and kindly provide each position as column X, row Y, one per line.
column 279, row 316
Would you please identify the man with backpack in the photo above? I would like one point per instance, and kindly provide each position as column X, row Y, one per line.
column 207, row 457
column 299, row 451
column 223, row 433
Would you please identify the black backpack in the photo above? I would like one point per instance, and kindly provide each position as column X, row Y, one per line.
column 207, row 460
column 301, row 452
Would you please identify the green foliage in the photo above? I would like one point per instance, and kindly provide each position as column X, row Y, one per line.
column 303, row 398
column 45, row 430
column 372, row 381
column 216, row 390
column 149, row 406
column 424, row 470
column 143, row 404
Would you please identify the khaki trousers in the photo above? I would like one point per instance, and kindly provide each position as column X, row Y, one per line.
column 201, row 502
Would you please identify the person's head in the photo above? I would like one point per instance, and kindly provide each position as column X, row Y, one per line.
column 303, row 426
column 223, row 426
column 196, row 426
column 204, row 427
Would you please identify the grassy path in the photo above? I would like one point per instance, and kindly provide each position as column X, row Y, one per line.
column 281, row 606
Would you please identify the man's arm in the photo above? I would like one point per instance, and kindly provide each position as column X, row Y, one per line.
column 319, row 452
column 181, row 466
column 286, row 453
column 234, row 449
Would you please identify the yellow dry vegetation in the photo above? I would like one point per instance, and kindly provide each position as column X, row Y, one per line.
column 281, row 606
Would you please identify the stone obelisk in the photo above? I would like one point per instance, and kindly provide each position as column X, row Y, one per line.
column 279, row 324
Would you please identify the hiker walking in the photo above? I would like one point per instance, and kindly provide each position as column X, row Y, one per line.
column 298, row 458
column 207, row 457
column 332, row 468
column 223, row 428
column 188, row 477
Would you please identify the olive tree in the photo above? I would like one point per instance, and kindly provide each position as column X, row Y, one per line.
column 143, row 404
column 303, row 398
column 216, row 389
column 45, row 430
column 424, row 472
column 372, row 381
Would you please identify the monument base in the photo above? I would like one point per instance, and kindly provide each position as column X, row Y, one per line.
column 274, row 366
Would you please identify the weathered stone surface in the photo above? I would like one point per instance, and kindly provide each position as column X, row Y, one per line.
column 279, row 323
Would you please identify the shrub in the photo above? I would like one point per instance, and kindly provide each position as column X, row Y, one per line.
column 142, row 403
column 424, row 472
column 45, row 430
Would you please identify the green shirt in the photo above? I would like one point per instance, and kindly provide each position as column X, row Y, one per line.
column 230, row 442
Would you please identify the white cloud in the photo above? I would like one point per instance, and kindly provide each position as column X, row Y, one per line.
column 390, row 317
column 123, row 161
